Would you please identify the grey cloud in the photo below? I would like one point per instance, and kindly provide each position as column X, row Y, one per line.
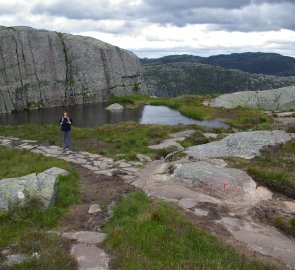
column 238, row 15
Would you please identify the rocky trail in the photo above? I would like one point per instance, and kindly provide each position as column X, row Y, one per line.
column 101, row 189
column 220, row 199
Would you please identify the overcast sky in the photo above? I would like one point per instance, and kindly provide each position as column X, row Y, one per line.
column 153, row 28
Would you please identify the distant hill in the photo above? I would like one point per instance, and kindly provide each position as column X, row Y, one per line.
column 258, row 63
column 177, row 78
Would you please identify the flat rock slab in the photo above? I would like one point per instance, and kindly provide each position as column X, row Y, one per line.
column 90, row 257
column 166, row 145
column 286, row 121
column 284, row 114
column 187, row 203
column 209, row 135
column 275, row 100
column 229, row 183
column 88, row 237
column 12, row 259
column 243, row 144
column 182, row 134
column 262, row 238
column 143, row 158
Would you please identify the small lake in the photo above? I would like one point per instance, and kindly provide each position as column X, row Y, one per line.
column 94, row 115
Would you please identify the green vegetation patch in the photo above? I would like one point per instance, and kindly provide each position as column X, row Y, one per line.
column 25, row 226
column 287, row 225
column 245, row 118
column 275, row 167
column 127, row 138
column 149, row 234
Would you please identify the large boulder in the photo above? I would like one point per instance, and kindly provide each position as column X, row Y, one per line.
column 20, row 191
column 228, row 183
column 274, row 100
column 115, row 107
column 243, row 144
column 42, row 68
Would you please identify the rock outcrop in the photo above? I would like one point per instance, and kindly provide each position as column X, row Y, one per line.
column 245, row 145
column 19, row 192
column 274, row 100
column 42, row 69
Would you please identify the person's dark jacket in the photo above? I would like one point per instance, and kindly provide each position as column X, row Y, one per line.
column 65, row 123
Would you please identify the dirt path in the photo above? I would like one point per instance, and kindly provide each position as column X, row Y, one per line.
column 96, row 189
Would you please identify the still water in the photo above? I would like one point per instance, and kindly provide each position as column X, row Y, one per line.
column 94, row 115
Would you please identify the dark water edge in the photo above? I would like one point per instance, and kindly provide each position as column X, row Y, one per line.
column 94, row 115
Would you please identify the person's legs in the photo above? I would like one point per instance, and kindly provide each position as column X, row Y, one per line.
column 64, row 138
column 69, row 139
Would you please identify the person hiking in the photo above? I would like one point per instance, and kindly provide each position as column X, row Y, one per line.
column 66, row 125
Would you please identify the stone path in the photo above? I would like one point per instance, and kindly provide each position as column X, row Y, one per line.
column 85, row 248
column 94, row 162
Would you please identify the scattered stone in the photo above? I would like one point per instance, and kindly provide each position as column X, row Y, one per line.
column 109, row 172
column 286, row 121
column 87, row 237
column 14, row 259
column 90, row 257
column 143, row 158
column 187, row 203
column 166, row 168
column 289, row 206
column 131, row 169
column 89, row 167
column 94, row 208
column 244, row 145
column 200, row 212
column 167, row 145
column 209, row 135
column 217, row 162
column 80, row 160
column 115, row 107
column 18, row 192
column 136, row 163
column 124, row 164
column 284, row 114
column 262, row 194
column 183, row 134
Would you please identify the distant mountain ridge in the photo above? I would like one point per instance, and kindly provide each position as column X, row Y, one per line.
column 178, row 78
column 257, row 63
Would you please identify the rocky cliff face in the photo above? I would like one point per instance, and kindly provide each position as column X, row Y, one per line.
column 275, row 100
column 40, row 69
column 172, row 79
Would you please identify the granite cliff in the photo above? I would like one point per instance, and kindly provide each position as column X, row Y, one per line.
column 40, row 69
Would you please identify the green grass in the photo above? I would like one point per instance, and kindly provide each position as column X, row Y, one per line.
column 16, row 225
column 275, row 167
column 149, row 234
column 127, row 138
column 245, row 118
column 287, row 225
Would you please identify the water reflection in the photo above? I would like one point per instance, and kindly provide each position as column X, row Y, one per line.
column 93, row 115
